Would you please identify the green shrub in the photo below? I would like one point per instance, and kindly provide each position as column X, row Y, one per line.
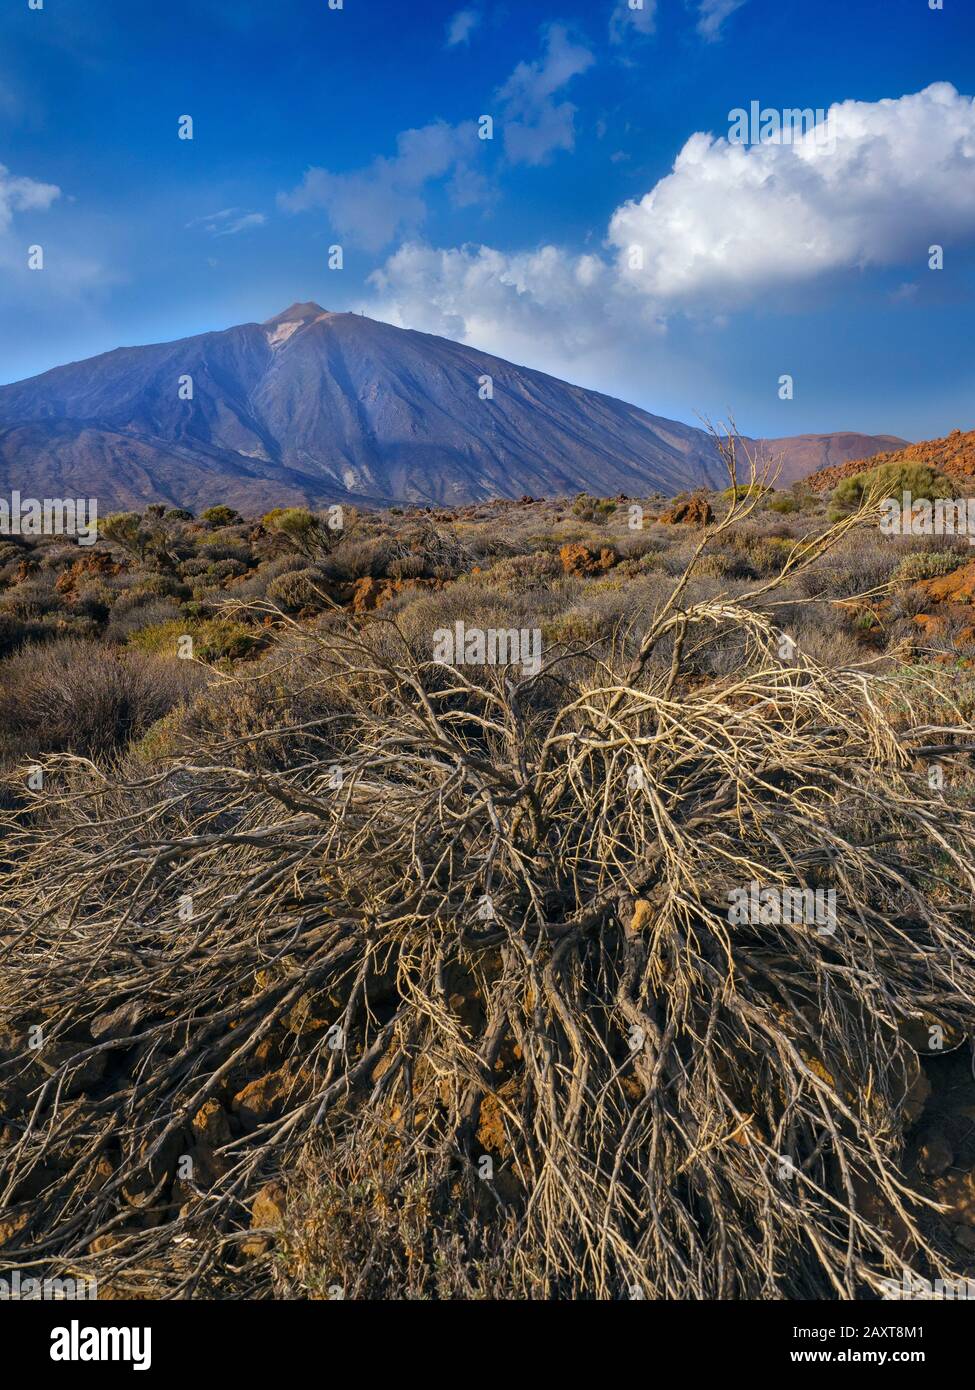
column 227, row 547
column 927, row 564
column 715, row 565
column 741, row 490
column 785, row 505
column 215, row 517
column 578, row 625
column 222, row 570
column 593, row 509
column 520, row 573
column 127, row 530
column 214, row 639
column 770, row 553
column 159, row 586
column 9, row 550
column 310, row 535
column 887, row 480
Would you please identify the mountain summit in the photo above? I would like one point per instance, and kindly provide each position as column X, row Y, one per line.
column 314, row 406
column 297, row 313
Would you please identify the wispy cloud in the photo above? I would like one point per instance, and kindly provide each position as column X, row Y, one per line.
column 535, row 124
column 711, row 14
column 373, row 204
column 20, row 194
column 70, row 272
column 461, row 26
column 632, row 17
column 387, row 198
column 228, row 222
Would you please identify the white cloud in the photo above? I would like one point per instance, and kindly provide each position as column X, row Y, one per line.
column 535, row 125
column 564, row 314
column 726, row 227
column 70, row 270
column 732, row 221
column 711, row 14
column 461, row 25
column 228, row 222
column 632, row 16
column 19, row 194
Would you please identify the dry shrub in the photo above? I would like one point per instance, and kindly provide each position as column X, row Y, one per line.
column 490, row 980
column 79, row 697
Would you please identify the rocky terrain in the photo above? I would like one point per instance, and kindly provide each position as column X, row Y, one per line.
column 364, row 922
column 953, row 456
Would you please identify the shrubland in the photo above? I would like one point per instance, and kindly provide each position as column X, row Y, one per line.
column 325, row 966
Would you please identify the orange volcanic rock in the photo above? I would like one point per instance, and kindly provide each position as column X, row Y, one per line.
column 579, row 560
column 954, row 456
column 696, row 512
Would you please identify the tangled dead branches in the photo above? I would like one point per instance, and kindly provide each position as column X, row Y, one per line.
column 460, row 947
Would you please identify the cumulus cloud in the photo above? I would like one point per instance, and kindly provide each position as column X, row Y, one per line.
column 461, row 25
column 732, row 221
column 730, row 224
column 561, row 313
column 479, row 294
column 631, row 17
column 19, row 194
column 535, row 124
column 711, row 14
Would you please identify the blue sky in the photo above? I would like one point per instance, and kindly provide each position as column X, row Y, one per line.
column 358, row 127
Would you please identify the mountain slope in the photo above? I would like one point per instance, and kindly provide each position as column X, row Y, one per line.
column 954, row 456
column 320, row 407
column 803, row 454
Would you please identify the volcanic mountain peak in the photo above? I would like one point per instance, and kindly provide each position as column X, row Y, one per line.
column 297, row 313
column 316, row 406
column 280, row 328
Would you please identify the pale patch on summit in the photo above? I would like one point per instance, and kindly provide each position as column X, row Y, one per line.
column 282, row 333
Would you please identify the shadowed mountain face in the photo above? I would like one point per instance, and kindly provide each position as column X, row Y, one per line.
column 319, row 407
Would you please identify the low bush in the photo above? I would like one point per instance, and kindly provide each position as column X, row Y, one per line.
column 85, row 697
column 213, row 639
column 927, row 564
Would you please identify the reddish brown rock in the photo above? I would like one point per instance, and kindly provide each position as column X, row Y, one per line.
column 211, row 1124
column 958, row 586
column 694, row 512
column 370, row 594
column 99, row 563
column 265, row 1098
column 267, row 1214
column 579, row 560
